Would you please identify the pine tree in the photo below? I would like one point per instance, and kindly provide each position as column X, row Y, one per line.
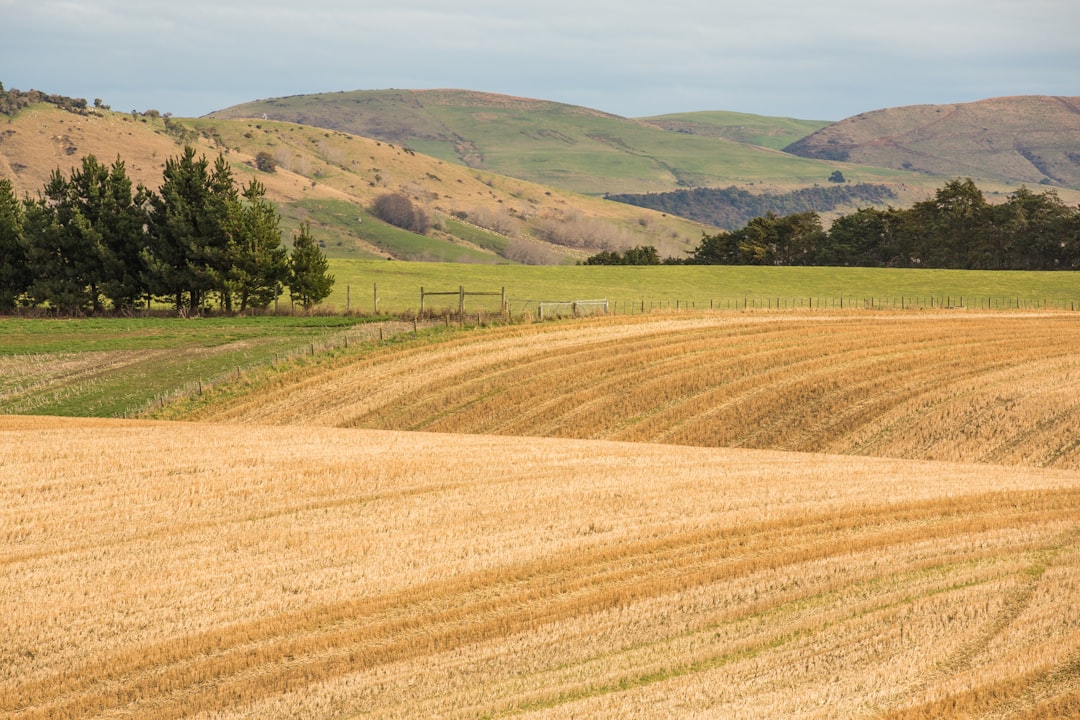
column 103, row 196
column 64, row 250
column 259, row 264
column 14, row 274
column 309, row 282
column 189, row 226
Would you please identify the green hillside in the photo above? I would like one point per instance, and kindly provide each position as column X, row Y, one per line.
column 566, row 146
column 771, row 132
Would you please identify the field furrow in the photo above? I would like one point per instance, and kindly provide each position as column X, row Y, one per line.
column 158, row 570
column 994, row 388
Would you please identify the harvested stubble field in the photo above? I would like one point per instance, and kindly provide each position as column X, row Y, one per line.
column 173, row 570
column 238, row 568
column 1000, row 388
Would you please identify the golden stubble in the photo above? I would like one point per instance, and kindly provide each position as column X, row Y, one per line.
column 1000, row 388
column 191, row 570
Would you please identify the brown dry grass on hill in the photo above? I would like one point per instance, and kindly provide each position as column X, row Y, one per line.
column 44, row 138
column 320, row 166
column 1030, row 139
column 171, row 570
column 997, row 388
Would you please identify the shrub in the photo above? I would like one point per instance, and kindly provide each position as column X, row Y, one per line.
column 399, row 210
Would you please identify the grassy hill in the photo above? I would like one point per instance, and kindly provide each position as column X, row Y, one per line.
column 504, row 179
column 1033, row 140
column 331, row 179
column 568, row 146
column 771, row 132
column 596, row 153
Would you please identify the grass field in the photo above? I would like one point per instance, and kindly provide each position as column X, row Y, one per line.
column 176, row 570
column 113, row 366
column 724, row 287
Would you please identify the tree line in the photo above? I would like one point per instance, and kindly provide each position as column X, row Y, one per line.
column 12, row 101
column 92, row 242
column 957, row 228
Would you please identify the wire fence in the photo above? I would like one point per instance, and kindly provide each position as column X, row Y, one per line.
column 848, row 302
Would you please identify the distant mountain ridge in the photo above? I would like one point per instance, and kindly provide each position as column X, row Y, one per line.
column 1023, row 139
column 514, row 179
column 566, row 146
column 1002, row 142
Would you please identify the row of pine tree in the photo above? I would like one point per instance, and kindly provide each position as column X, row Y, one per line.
column 93, row 242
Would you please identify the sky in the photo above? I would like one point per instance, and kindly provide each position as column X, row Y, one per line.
column 823, row 60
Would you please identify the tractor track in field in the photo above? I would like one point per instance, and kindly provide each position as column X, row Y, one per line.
column 899, row 386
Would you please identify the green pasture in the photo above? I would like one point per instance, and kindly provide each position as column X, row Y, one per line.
column 573, row 148
column 398, row 286
column 119, row 366
column 338, row 224
column 772, row 132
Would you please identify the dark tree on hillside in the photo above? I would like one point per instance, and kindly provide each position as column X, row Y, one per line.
column 103, row 196
column 65, row 253
column 309, row 283
column 956, row 228
column 951, row 225
column 189, row 230
column 265, row 162
column 399, row 210
column 258, row 263
column 639, row 255
column 14, row 275
column 768, row 240
column 1032, row 232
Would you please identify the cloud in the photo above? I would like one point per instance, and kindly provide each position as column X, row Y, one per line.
column 822, row 60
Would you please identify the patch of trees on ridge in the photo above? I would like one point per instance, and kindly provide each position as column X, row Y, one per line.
column 91, row 242
column 12, row 101
column 733, row 207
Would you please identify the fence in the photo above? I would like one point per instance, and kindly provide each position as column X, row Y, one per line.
column 849, row 302
column 575, row 308
column 461, row 295
column 515, row 307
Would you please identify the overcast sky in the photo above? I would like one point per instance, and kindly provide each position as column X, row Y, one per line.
column 823, row 60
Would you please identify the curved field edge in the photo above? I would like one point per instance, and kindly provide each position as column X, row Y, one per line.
column 122, row 366
column 161, row 569
column 1001, row 388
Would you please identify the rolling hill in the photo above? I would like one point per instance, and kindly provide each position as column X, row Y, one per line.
column 1033, row 140
column 509, row 179
column 974, row 388
column 1002, row 142
column 331, row 179
column 568, row 146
